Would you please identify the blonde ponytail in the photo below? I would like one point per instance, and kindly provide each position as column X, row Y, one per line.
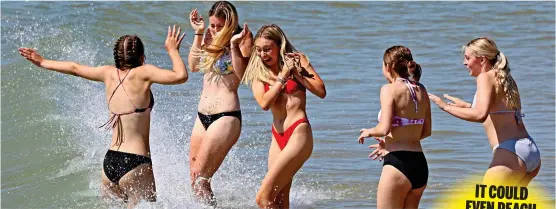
column 506, row 83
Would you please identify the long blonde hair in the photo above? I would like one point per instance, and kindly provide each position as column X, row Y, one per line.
column 256, row 69
column 213, row 51
column 486, row 47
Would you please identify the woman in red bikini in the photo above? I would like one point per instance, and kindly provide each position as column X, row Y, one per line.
column 279, row 83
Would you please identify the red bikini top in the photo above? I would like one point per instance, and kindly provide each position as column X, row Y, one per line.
column 291, row 86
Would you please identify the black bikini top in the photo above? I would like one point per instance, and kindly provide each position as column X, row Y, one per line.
column 115, row 120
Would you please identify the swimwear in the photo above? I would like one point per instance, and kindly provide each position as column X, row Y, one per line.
column 292, row 85
column 115, row 120
column 526, row 149
column 223, row 64
column 400, row 121
column 412, row 164
column 117, row 164
column 517, row 113
column 283, row 138
column 207, row 120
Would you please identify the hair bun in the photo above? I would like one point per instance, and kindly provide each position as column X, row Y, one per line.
column 411, row 65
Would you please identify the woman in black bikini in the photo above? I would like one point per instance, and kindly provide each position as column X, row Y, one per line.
column 221, row 53
column 404, row 120
column 279, row 83
column 127, row 168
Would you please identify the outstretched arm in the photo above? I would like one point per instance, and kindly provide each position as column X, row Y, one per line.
column 479, row 113
column 427, row 125
column 67, row 67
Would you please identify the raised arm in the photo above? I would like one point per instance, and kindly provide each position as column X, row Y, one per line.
column 309, row 77
column 198, row 26
column 479, row 113
column 71, row 68
column 246, row 45
column 239, row 61
column 178, row 74
column 457, row 101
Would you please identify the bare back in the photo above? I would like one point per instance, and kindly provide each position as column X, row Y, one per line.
column 408, row 137
column 134, row 92
column 500, row 127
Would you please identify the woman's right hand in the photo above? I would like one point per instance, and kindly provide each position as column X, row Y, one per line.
column 196, row 21
column 379, row 151
column 456, row 101
column 31, row 55
column 439, row 102
column 291, row 62
column 173, row 40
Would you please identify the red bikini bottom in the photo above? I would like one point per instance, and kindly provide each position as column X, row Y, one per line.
column 283, row 138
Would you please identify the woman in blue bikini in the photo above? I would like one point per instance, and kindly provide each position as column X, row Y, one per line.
column 497, row 105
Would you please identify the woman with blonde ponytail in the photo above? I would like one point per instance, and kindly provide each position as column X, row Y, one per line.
column 221, row 53
column 279, row 77
column 497, row 106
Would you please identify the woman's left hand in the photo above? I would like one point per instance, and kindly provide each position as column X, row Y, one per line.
column 438, row 101
column 236, row 39
column 379, row 151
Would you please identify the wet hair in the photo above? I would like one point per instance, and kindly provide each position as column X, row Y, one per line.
column 256, row 69
column 399, row 59
column 214, row 50
column 485, row 47
column 218, row 11
column 128, row 52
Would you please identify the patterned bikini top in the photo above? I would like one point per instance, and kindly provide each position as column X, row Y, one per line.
column 223, row 64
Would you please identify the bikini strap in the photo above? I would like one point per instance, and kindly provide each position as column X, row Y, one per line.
column 123, row 87
column 517, row 114
column 115, row 120
column 119, row 84
column 412, row 91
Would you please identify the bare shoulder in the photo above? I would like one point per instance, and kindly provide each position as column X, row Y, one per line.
column 486, row 78
column 421, row 86
column 108, row 67
column 387, row 88
column 146, row 68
